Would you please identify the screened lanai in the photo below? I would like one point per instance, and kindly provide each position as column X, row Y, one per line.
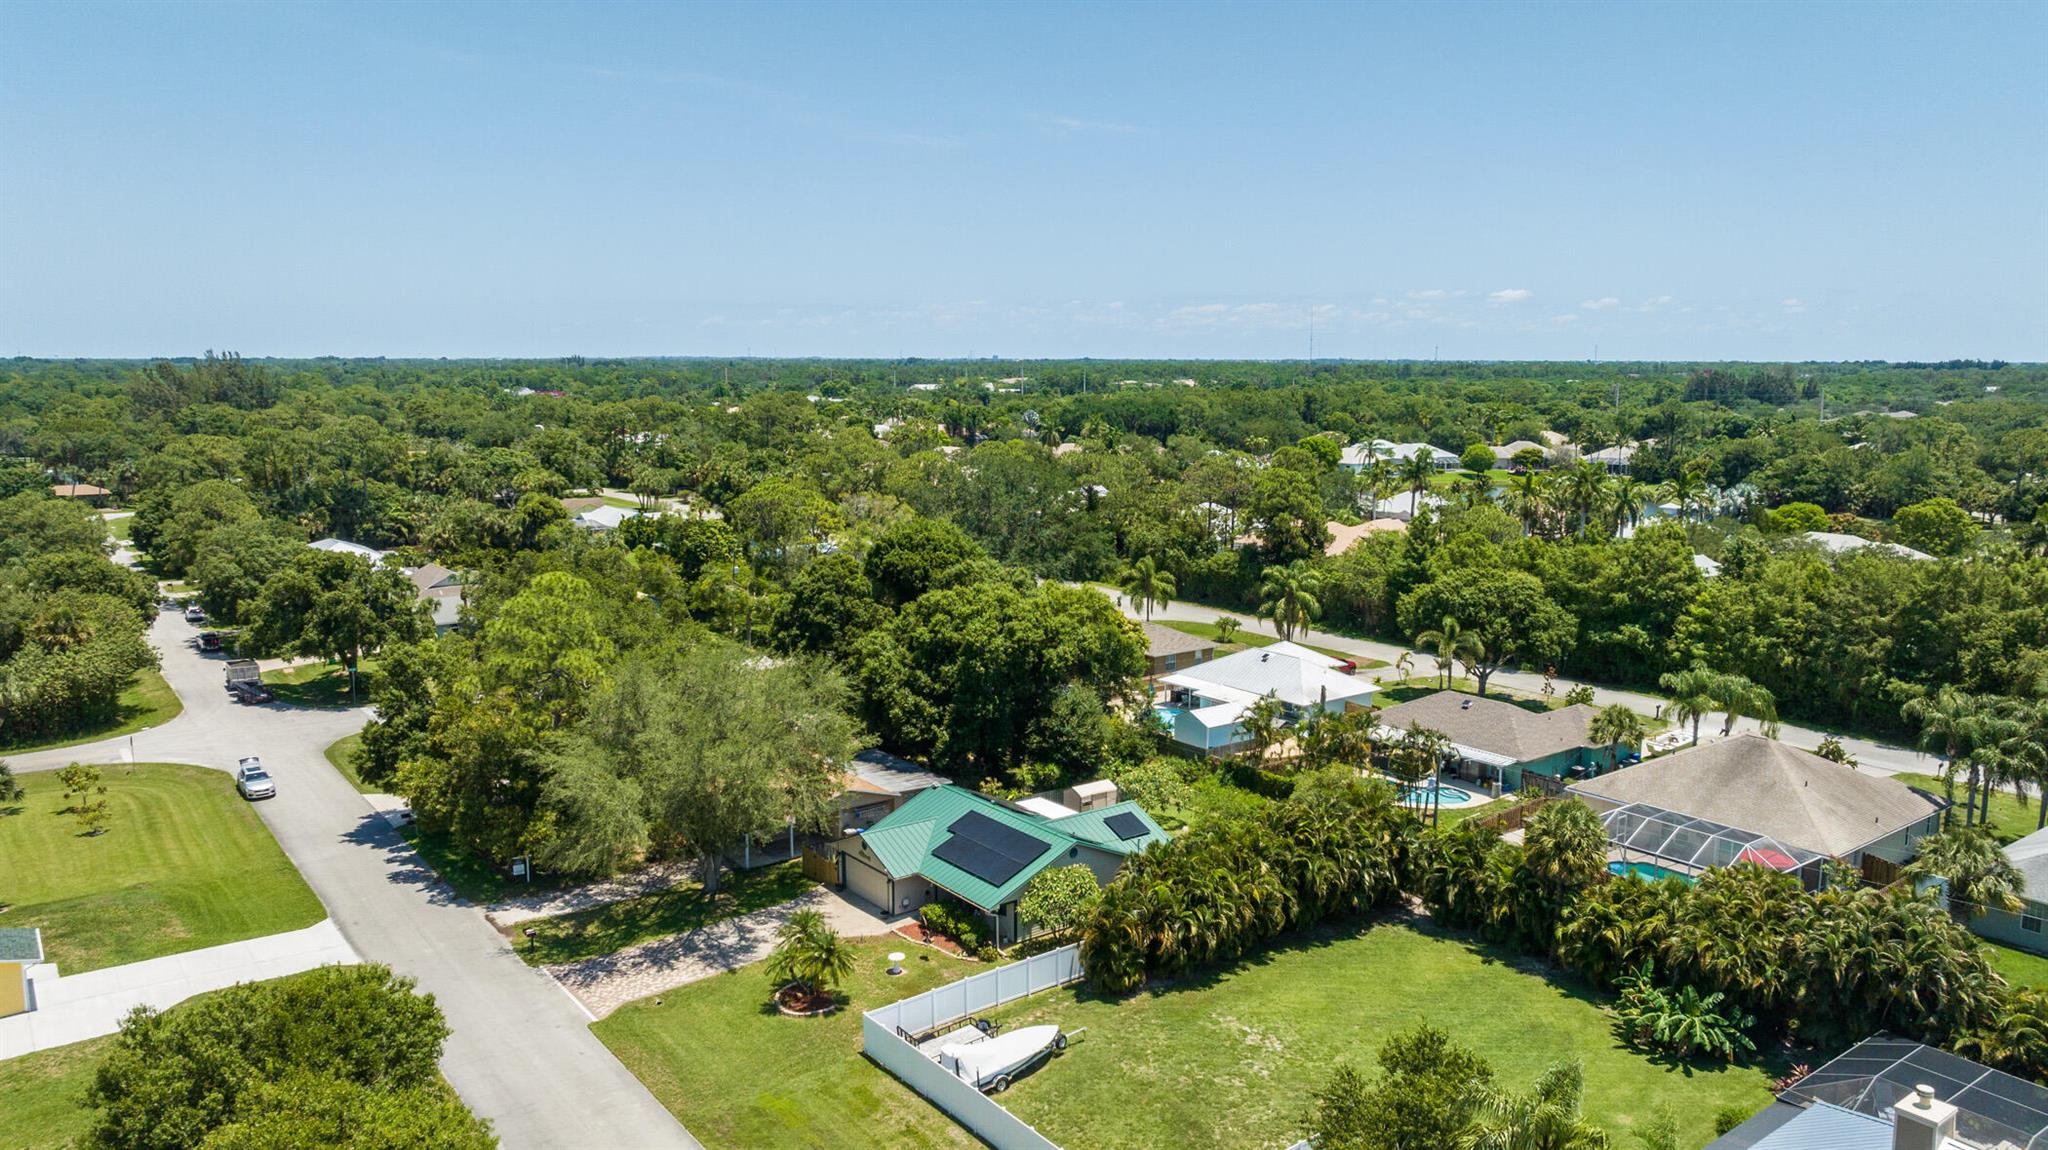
column 1639, row 832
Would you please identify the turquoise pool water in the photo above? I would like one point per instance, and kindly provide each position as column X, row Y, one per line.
column 1649, row 871
column 1446, row 796
column 1168, row 714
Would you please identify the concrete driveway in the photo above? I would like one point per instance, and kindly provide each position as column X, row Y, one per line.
column 521, row 1053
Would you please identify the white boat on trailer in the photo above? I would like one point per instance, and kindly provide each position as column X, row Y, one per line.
column 990, row 1062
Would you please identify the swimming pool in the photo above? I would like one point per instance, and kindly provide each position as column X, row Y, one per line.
column 1643, row 870
column 1167, row 714
column 1445, row 797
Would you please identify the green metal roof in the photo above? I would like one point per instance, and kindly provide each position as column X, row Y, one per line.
column 904, row 839
column 21, row 944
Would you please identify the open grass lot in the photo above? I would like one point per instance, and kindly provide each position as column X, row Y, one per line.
column 605, row 929
column 184, row 864
column 340, row 755
column 1229, row 1060
column 318, row 684
column 1243, row 639
column 2019, row 967
column 40, row 1093
column 744, row 1077
column 2010, row 818
column 147, row 702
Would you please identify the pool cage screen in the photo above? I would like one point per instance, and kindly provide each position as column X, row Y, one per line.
column 1683, row 842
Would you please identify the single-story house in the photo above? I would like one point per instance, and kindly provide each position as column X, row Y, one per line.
column 877, row 784
column 1404, row 505
column 577, row 505
column 1168, row 650
column 21, row 947
column 1504, row 455
column 983, row 851
column 1494, row 739
column 607, row 517
column 1749, row 798
column 1356, row 456
column 343, row 547
column 440, row 587
column 1614, row 459
column 1345, row 536
column 92, row 493
column 1708, row 567
column 1203, row 704
column 1871, row 1098
column 2022, row 928
column 1837, row 543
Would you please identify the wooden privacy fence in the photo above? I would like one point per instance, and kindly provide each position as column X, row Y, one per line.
column 1515, row 817
column 820, row 868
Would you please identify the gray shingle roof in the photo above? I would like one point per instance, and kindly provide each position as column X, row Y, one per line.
column 2030, row 855
column 1495, row 725
column 1163, row 641
column 1763, row 786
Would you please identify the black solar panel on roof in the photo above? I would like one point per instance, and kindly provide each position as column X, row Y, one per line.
column 979, row 860
column 1126, row 825
column 1006, row 841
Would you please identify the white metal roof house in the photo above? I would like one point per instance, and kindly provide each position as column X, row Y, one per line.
column 1837, row 543
column 1404, row 505
column 344, row 547
column 1358, row 455
column 607, row 517
column 1204, row 703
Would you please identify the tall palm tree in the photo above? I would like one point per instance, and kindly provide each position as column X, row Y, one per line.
column 1148, row 586
column 1448, row 642
column 1948, row 721
column 1262, row 725
column 1527, row 498
column 1688, row 489
column 1692, row 696
column 1584, row 487
column 1377, row 478
column 1615, row 725
column 1414, row 473
column 1736, row 697
column 1629, row 497
column 1287, row 596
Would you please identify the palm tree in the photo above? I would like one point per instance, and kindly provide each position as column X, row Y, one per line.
column 1287, row 596
column 1736, row 697
column 1688, row 489
column 1448, row 642
column 1629, row 497
column 810, row 954
column 1546, row 1118
column 1584, row 486
column 1147, row 585
column 1616, row 725
column 1377, row 478
column 1979, row 876
column 1226, row 627
column 1404, row 666
column 1262, row 725
column 1415, row 473
column 1947, row 720
column 1692, row 696
column 1527, row 498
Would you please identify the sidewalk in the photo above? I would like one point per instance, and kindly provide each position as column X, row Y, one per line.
column 77, row 1007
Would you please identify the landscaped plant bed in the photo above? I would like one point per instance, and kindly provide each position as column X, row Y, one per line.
column 801, row 1002
column 925, row 936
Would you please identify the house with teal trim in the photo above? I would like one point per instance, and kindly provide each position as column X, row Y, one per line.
column 983, row 851
column 2022, row 928
column 1498, row 741
column 1202, row 706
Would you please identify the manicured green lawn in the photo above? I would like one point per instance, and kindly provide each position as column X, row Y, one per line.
column 746, row 1078
column 122, row 529
column 1230, row 1060
column 1242, row 638
column 148, row 701
column 185, row 863
column 615, row 926
column 40, row 1095
column 2010, row 818
column 319, row 684
column 2018, row 967
column 468, row 876
column 341, row 756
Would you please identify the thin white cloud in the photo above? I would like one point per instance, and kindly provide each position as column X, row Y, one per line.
column 1509, row 295
column 1794, row 305
column 1077, row 124
column 1564, row 319
column 1601, row 304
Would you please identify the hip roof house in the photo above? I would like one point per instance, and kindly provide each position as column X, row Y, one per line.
column 2022, row 928
column 1500, row 740
column 1205, row 703
column 983, row 851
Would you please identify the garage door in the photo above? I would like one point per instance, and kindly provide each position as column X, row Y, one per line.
column 864, row 881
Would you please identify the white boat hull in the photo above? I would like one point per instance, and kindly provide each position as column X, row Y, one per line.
column 982, row 1063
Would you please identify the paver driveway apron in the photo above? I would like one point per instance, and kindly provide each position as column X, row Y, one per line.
column 521, row 1053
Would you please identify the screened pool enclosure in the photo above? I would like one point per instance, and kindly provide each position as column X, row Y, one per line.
column 1641, row 832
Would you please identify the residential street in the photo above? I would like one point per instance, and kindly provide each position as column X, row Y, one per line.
column 521, row 1053
column 1875, row 757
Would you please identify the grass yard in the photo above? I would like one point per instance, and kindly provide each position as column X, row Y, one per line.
column 121, row 530
column 605, row 929
column 184, row 864
column 148, row 701
column 40, row 1093
column 746, row 1078
column 2017, row 966
column 2010, row 818
column 468, row 876
column 1229, row 1060
column 1244, row 639
column 319, row 684
column 341, row 756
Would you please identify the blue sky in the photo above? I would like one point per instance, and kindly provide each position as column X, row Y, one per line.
column 1741, row 181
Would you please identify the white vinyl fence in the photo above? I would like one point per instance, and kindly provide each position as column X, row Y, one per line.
column 884, row 1032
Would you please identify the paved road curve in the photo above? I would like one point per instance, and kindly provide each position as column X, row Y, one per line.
column 521, row 1053
column 1872, row 756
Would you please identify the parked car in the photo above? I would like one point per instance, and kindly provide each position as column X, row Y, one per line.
column 195, row 614
column 251, row 691
column 253, row 781
column 209, row 640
